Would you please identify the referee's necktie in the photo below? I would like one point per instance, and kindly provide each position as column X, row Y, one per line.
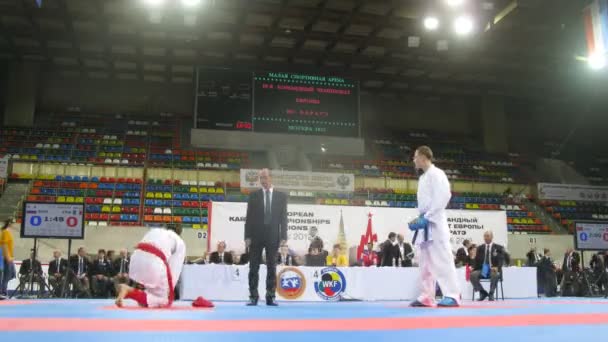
column 267, row 214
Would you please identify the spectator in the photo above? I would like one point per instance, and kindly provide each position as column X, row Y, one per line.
column 462, row 254
column 284, row 258
column 110, row 256
column 369, row 256
column 57, row 269
column 472, row 251
column 120, row 268
column 202, row 260
column 337, row 257
column 244, row 260
column 315, row 258
column 489, row 260
column 221, row 256
column 80, row 266
column 7, row 246
column 101, row 271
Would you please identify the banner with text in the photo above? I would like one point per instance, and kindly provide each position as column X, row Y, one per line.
column 348, row 226
column 304, row 181
column 573, row 192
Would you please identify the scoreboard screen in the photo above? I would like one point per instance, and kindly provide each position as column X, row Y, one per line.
column 305, row 104
column 591, row 236
column 52, row 220
column 276, row 102
column 223, row 100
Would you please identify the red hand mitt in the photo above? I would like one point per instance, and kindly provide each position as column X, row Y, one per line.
column 201, row 302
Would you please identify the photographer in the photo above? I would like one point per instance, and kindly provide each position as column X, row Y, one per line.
column 31, row 265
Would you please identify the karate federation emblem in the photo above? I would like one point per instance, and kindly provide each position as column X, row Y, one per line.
column 330, row 284
column 291, row 283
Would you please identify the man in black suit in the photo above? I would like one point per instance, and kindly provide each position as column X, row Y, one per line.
column 490, row 254
column 221, row 256
column 570, row 268
column 572, row 261
column 80, row 266
column 101, row 271
column 389, row 250
column 547, row 275
column 57, row 268
column 462, row 254
column 405, row 251
column 284, row 258
column 265, row 228
column 120, row 268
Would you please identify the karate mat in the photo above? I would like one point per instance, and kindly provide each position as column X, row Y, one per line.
column 551, row 320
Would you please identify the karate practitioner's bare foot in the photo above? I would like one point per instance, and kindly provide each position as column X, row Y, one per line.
column 122, row 290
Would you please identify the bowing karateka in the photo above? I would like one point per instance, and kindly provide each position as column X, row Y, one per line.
column 156, row 264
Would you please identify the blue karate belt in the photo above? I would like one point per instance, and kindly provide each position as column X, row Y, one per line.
column 416, row 225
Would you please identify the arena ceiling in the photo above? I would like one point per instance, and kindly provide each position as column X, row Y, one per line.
column 521, row 48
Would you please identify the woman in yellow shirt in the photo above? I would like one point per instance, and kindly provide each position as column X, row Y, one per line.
column 337, row 258
column 7, row 246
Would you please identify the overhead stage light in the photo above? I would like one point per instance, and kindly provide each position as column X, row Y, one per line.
column 431, row 23
column 454, row 3
column 597, row 61
column 463, row 25
column 154, row 3
column 191, row 3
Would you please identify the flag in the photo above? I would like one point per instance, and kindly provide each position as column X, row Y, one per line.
column 595, row 17
column 368, row 237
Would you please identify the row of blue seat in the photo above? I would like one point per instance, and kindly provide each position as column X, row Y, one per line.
column 36, row 150
column 517, row 214
column 480, row 200
column 119, row 186
column 93, row 208
column 197, row 197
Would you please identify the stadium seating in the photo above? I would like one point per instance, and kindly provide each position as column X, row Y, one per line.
column 107, row 201
column 185, row 202
column 118, row 141
column 567, row 212
column 393, row 159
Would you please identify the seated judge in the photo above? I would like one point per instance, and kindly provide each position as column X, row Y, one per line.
column 337, row 257
column 120, row 268
column 79, row 264
column 57, row 271
column 101, row 273
column 221, row 256
column 488, row 265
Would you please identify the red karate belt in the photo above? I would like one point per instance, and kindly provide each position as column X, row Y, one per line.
column 149, row 248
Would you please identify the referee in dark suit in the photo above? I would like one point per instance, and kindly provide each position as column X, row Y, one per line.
column 265, row 228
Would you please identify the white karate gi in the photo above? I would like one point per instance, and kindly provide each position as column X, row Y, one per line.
column 436, row 262
column 149, row 270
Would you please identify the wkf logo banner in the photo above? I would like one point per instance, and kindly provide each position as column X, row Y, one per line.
column 330, row 283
